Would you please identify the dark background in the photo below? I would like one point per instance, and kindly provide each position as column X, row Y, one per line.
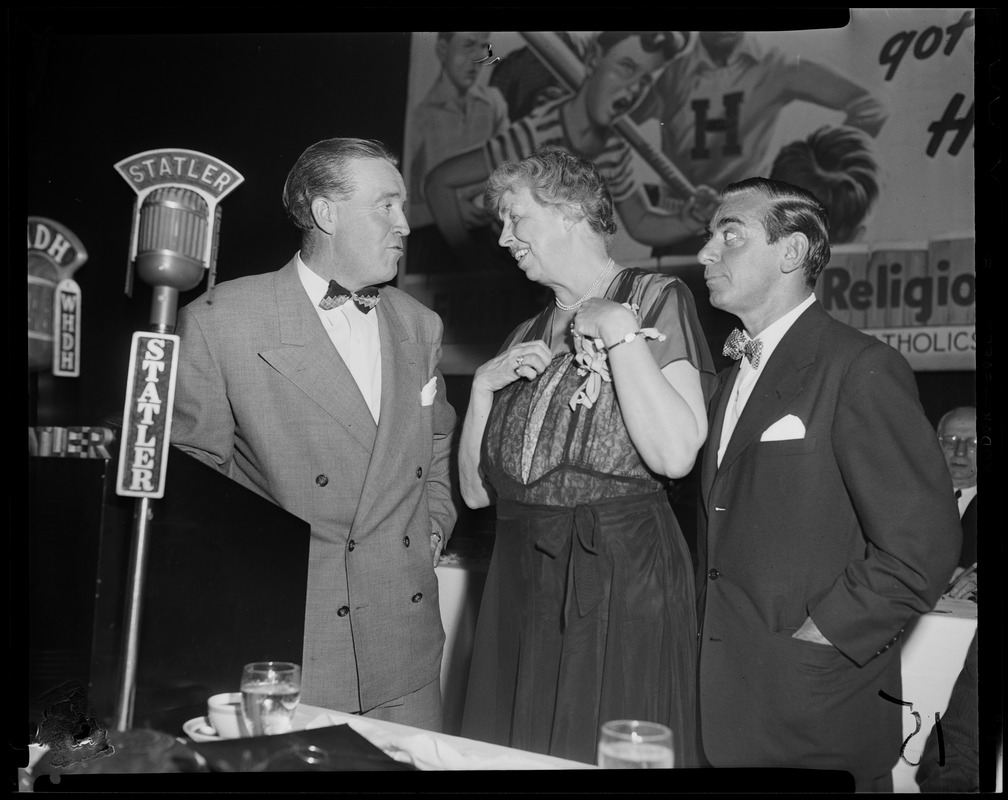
column 90, row 87
column 255, row 101
column 253, row 87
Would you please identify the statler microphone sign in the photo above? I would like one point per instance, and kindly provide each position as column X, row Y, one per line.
column 150, row 396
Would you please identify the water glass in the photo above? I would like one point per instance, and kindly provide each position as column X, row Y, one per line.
column 270, row 692
column 634, row 744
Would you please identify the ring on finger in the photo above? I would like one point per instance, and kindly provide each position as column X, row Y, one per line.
column 521, row 360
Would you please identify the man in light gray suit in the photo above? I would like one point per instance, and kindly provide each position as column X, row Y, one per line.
column 319, row 388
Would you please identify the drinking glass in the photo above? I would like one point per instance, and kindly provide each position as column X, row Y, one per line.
column 634, row 744
column 270, row 694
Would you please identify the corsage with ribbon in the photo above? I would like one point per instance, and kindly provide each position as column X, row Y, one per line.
column 592, row 358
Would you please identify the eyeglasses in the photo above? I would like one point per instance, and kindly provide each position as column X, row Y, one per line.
column 952, row 443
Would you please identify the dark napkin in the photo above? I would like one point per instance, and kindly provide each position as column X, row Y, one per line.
column 335, row 747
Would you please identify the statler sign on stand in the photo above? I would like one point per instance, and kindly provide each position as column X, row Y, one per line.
column 175, row 230
column 150, row 390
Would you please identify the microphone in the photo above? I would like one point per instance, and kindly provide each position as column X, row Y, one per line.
column 176, row 223
column 171, row 244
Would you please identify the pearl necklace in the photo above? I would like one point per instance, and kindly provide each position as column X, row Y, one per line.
column 591, row 290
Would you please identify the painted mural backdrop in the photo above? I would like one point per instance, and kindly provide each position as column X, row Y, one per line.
column 876, row 118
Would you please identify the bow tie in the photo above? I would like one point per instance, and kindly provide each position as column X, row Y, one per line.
column 365, row 299
column 739, row 344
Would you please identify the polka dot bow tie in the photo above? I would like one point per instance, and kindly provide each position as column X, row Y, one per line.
column 739, row 344
column 365, row 299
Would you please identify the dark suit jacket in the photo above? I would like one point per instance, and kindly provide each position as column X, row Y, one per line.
column 852, row 524
column 968, row 556
column 264, row 397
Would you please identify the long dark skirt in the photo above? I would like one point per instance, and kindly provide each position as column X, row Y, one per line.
column 588, row 614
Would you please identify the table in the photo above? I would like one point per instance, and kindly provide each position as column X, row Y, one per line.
column 934, row 651
column 440, row 751
column 155, row 752
column 460, row 588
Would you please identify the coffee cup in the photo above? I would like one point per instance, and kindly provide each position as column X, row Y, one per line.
column 225, row 715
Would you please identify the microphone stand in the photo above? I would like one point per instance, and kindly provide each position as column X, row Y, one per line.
column 176, row 225
column 142, row 515
column 164, row 305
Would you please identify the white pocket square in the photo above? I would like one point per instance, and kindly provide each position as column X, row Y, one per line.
column 789, row 427
column 428, row 392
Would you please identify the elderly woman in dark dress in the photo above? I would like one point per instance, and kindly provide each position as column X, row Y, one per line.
column 573, row 430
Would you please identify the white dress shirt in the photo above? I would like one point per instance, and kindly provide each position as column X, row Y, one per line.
column 746, row 379
column 354, row 335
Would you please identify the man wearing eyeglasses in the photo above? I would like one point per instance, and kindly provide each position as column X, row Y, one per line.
column 957, row 434
column 951, row 758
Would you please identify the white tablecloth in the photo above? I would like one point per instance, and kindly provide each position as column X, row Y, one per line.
column 934, row 651
column 439, row 751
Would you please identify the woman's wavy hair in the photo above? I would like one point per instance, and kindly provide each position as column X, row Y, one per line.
column 556, row 177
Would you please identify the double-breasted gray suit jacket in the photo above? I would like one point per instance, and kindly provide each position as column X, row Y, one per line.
column 263, row 396
column 853, row 524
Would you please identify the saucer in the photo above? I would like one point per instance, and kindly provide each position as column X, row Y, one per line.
column 199, row 729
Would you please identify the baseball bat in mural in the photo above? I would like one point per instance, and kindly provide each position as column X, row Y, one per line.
column 570, row 71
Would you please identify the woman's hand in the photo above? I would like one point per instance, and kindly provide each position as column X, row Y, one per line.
column 604, row 319
column 524, row 360
column 663, row 408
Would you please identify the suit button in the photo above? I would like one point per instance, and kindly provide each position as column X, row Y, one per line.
column 419, row 472
column 343, row 611
column 713, row 574
column 405, row 541
column 321, row 480
column 417, row 597
column 351, row 545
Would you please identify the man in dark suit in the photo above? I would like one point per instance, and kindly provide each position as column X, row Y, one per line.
column 321, row 391
column 826, row 524
column 957, row 434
